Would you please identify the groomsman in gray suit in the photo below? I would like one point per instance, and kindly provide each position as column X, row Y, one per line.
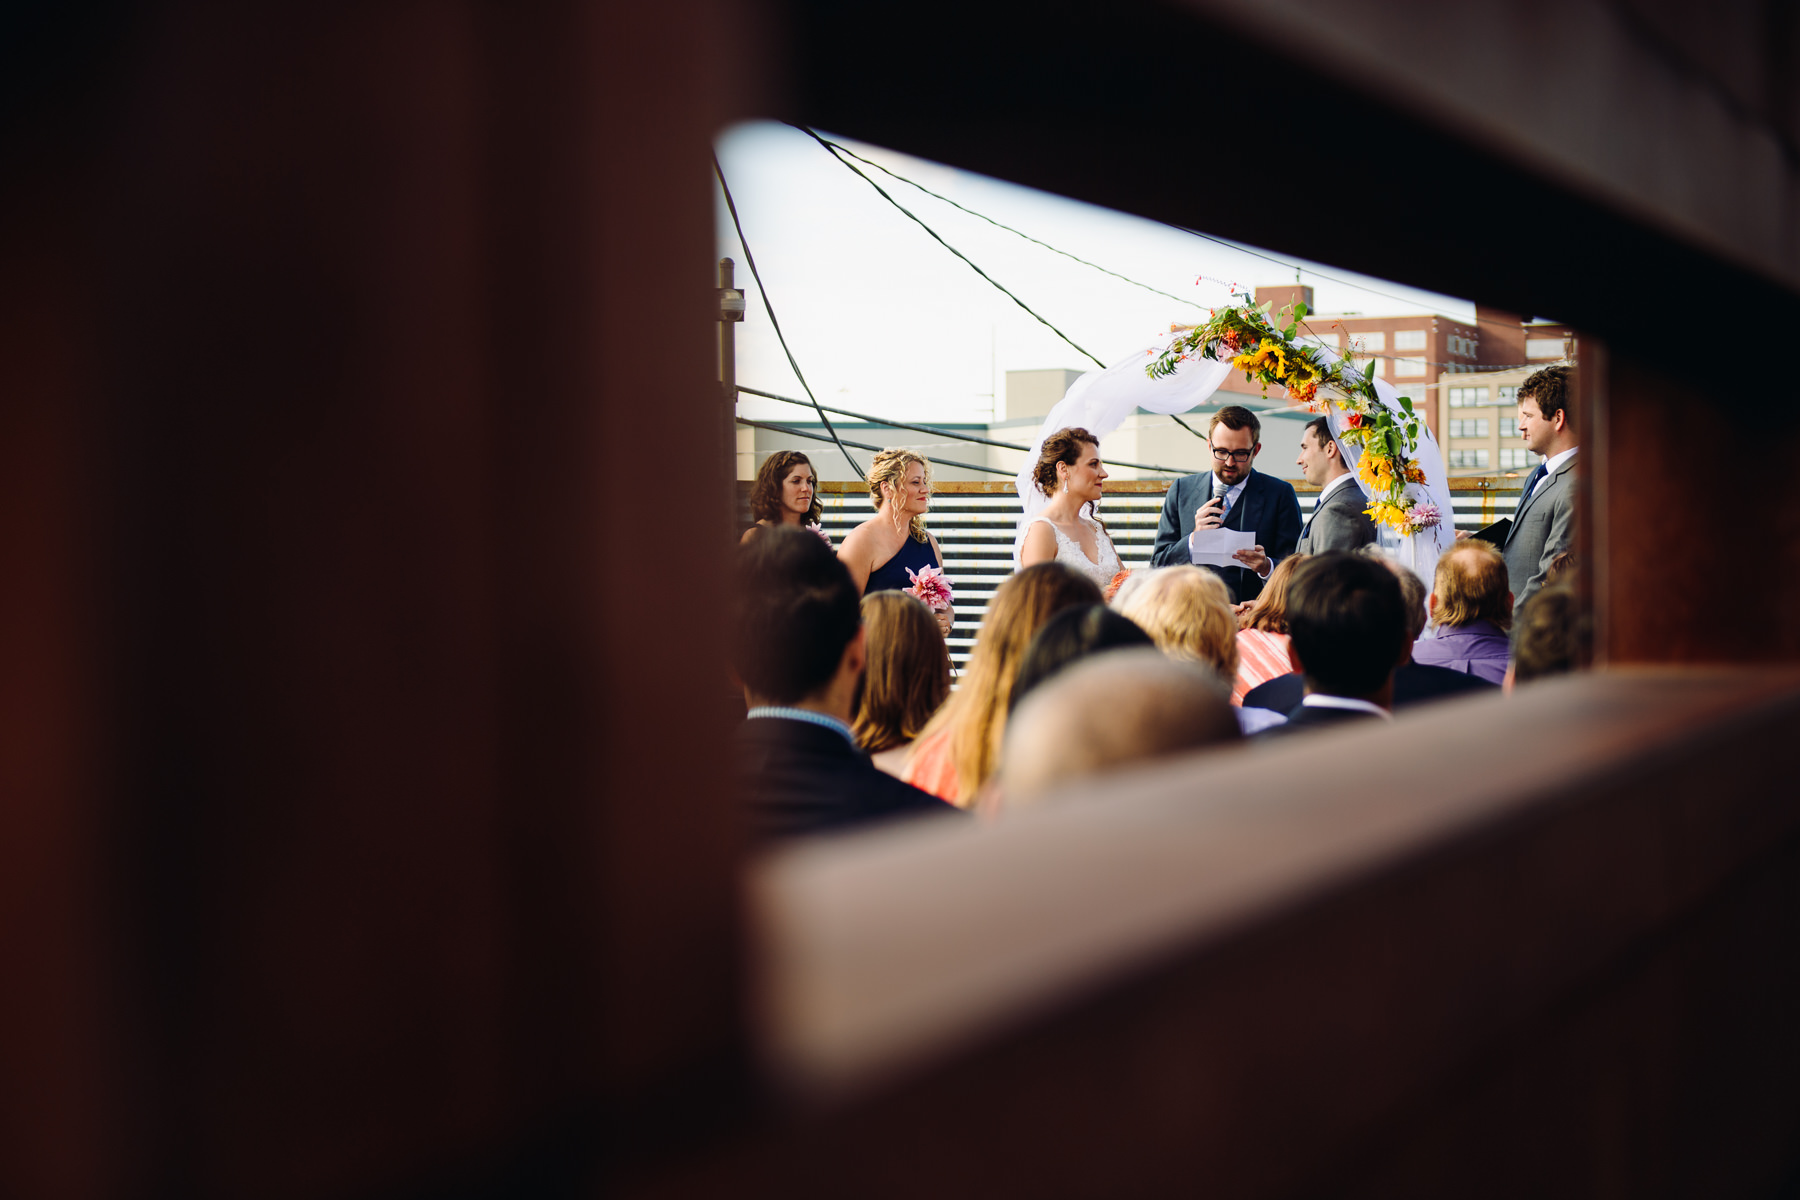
column 1338, row 521
column 1544, row 524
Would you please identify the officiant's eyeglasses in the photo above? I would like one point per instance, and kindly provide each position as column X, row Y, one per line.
column 1238, row 456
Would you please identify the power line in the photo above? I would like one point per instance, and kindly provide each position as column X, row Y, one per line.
column 1292, row 266
column 882, row 192
column 819, row 437
column 939, row 431
column 838, row 148
column 1002, row 225
column 769, row 307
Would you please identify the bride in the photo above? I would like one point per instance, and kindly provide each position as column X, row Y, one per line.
column 1070, row 476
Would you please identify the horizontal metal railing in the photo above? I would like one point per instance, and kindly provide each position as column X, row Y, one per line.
column 974, row 524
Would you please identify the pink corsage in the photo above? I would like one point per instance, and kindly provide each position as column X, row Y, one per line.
column 929, row 585
column 1423, row 516
column 820, row 530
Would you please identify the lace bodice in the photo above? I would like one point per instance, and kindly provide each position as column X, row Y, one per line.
column 1070, row 554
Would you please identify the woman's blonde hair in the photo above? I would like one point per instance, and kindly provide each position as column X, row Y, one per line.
column 908, row 674
column 1187, row 613
column 890, row 467
column 975, row 714
column 1270, row 611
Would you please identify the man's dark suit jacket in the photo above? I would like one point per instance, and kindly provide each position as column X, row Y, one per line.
column 1415, row 683
column 803, row 778
column 1303, row 718
column 1266, row 507
column 1338, row 524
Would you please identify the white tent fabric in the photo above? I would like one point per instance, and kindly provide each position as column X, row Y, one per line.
column 1099, row 402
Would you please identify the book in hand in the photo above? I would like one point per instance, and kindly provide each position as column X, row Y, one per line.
column 1495, row 533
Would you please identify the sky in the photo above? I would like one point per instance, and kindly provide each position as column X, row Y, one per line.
column 884, row 320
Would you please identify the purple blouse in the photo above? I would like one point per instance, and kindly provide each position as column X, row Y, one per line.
column 1479, row 648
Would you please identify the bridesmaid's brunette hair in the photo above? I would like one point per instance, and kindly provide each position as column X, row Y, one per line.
column 908, row 675
column 765, row 496
column 1064, row 446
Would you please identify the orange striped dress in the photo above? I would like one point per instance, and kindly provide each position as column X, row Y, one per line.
column 1261, row 657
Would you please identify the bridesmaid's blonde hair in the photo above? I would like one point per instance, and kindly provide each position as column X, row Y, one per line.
column 890, row 467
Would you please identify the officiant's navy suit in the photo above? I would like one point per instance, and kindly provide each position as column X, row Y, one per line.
column 1267, row 507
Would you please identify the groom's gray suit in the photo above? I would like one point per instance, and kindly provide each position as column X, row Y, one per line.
column 1542, row 528
column 1338, row 522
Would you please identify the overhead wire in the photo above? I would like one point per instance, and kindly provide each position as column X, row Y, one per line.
column 769, row 307
column 940, row 431
column 819, row 437
column 1002, row 225
column 838, row 147
column 883, row 193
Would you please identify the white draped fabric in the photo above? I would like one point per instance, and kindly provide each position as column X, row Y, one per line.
column 1100, row 401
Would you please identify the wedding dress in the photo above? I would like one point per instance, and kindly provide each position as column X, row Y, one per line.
column 1070, row 554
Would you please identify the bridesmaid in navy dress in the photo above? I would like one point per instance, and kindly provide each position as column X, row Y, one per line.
column 880, row 550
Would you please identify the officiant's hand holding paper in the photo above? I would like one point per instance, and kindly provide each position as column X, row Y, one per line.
column 1256, row 558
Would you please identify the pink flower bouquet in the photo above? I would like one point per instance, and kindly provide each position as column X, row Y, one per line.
column 930, row 586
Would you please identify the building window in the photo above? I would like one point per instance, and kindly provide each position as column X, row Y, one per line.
column 1468, row 397
column 1327, row 340
column 1469, row 459
column 1375, row 343
column 1381, row 368
column 1515, row 458
column 1409, row 366
column 1409, row 339
column 1543, row 347
column 1464, row 347
column 1509, row 395
column 1469, row 427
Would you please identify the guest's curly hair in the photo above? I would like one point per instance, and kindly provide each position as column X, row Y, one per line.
column 890, row 467
column 1064, row 446
column 765, row 496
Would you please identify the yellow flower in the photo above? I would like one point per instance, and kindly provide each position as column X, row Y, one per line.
column 1390, row 515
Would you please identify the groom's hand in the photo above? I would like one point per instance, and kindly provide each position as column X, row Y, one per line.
column 1210, row 515
column 1255, row 558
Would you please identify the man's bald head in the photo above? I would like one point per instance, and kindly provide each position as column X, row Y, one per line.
column 1114, row 708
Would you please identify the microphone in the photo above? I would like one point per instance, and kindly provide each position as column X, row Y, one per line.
column 1220, row 490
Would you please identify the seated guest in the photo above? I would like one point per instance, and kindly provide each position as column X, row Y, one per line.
column 1546, row 638
column 1106, row 711
column 1071, row 634
column 1187, row 612
column 1347, row 632
column 1262, row 639
column 1472, row 610
column 960, row 747
column 907, row 677
column 800, row 650
column 1414, row 683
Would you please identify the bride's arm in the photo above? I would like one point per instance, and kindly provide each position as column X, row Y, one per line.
column 1040, row 545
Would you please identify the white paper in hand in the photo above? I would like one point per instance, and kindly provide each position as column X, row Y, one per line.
column 1214, row 547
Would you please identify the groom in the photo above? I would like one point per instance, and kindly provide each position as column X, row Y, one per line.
column 1233, row 495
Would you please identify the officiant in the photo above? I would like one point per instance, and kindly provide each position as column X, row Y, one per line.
column 1233, row 495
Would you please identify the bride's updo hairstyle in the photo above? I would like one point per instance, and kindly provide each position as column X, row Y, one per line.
column 1064, row 446
column 890, row 468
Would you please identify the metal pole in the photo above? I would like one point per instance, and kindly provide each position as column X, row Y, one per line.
column 731, row 311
